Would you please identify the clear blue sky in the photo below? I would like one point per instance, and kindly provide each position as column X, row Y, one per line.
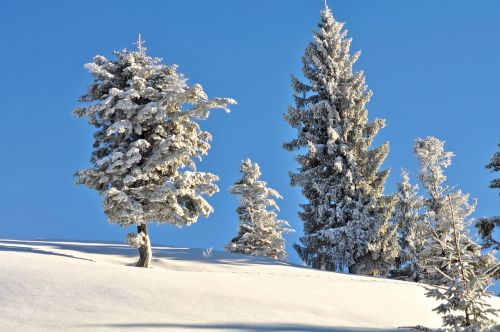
column 434, row 68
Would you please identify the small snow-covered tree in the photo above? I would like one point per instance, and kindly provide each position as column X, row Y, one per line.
column 433, row 161
column 413, row 233
column 464, row 296
column 346, row 217
column 147, row 136
column 260, row 232
column 445, row 210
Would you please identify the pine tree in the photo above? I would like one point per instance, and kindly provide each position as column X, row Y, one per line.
column 445, row 209
column 494, row 166
column 347, row 218
column 147, row 136
column 412, row 231
column 465, row 293
column 433, row 161
column 260, row 232
column 486, row 226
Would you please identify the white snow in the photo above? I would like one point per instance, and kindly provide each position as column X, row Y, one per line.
column 75, row 286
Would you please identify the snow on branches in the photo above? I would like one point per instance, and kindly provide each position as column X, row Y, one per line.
column 260, row 232
column 147, row 139
column 346, row 217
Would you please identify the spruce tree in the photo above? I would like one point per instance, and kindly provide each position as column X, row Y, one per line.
column 147, row 137
column 346, row 217
column 412, row 231
column 260, row 232
column 467, row 275
column 486, row 226
column 433, row 161
column 494, row 166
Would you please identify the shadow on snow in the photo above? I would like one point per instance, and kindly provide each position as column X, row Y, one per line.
column 159, row 253
column 38, row 251
column 241, row 327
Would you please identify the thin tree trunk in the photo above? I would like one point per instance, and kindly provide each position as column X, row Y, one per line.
column 461, row 264
column 145, row 249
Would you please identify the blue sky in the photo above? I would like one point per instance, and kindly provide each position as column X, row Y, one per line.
column 433, row 67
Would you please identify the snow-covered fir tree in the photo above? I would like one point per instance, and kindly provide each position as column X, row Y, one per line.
column 146, row 141
column 433, row 161
column 347, row 217
column 464, row 296
column 412, row 231
column 446, row 209
column 260, row 232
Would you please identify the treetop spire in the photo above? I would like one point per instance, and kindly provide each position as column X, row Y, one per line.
column 140, row 44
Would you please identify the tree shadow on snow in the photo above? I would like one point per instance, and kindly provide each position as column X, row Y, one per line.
column 77, row 246
column 38, row 251
column 160, row 253
column 241, row 327
column 217, row 257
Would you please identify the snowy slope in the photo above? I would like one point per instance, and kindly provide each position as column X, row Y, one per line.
column 74, row 286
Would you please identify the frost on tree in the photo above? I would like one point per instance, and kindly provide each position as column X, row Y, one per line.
column 260, row 232
column 146, row 141
column 347, row 217
column 452, row 258
column 412, row 231
column 433, row 161
column 466, row 274
column 446, row 209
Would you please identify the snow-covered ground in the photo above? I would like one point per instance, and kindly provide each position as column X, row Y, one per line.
column 73, row 286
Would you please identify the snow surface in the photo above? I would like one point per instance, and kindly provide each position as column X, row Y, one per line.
column 76, row 286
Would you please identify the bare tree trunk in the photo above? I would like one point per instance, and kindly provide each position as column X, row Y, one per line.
column 145, row 249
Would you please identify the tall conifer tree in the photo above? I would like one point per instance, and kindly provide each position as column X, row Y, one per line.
column 346, row 217
column 413, row 232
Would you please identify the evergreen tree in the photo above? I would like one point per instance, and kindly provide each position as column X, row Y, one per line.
column 486, row 226
column 445, row 209
column 412, row 231
column 433, row 161
column 464, row 296
column 260, row 232
column 146, row 139
column 347, row 218
column 494, row 166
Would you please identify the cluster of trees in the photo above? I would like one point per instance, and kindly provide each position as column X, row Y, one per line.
column 146, row 141
column 349, row 224
column 143, row 165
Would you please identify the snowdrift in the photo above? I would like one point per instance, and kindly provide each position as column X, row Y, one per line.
column 75, row 286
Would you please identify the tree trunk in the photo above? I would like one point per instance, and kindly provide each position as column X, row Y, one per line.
column 459, row 255
column 145, row 249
